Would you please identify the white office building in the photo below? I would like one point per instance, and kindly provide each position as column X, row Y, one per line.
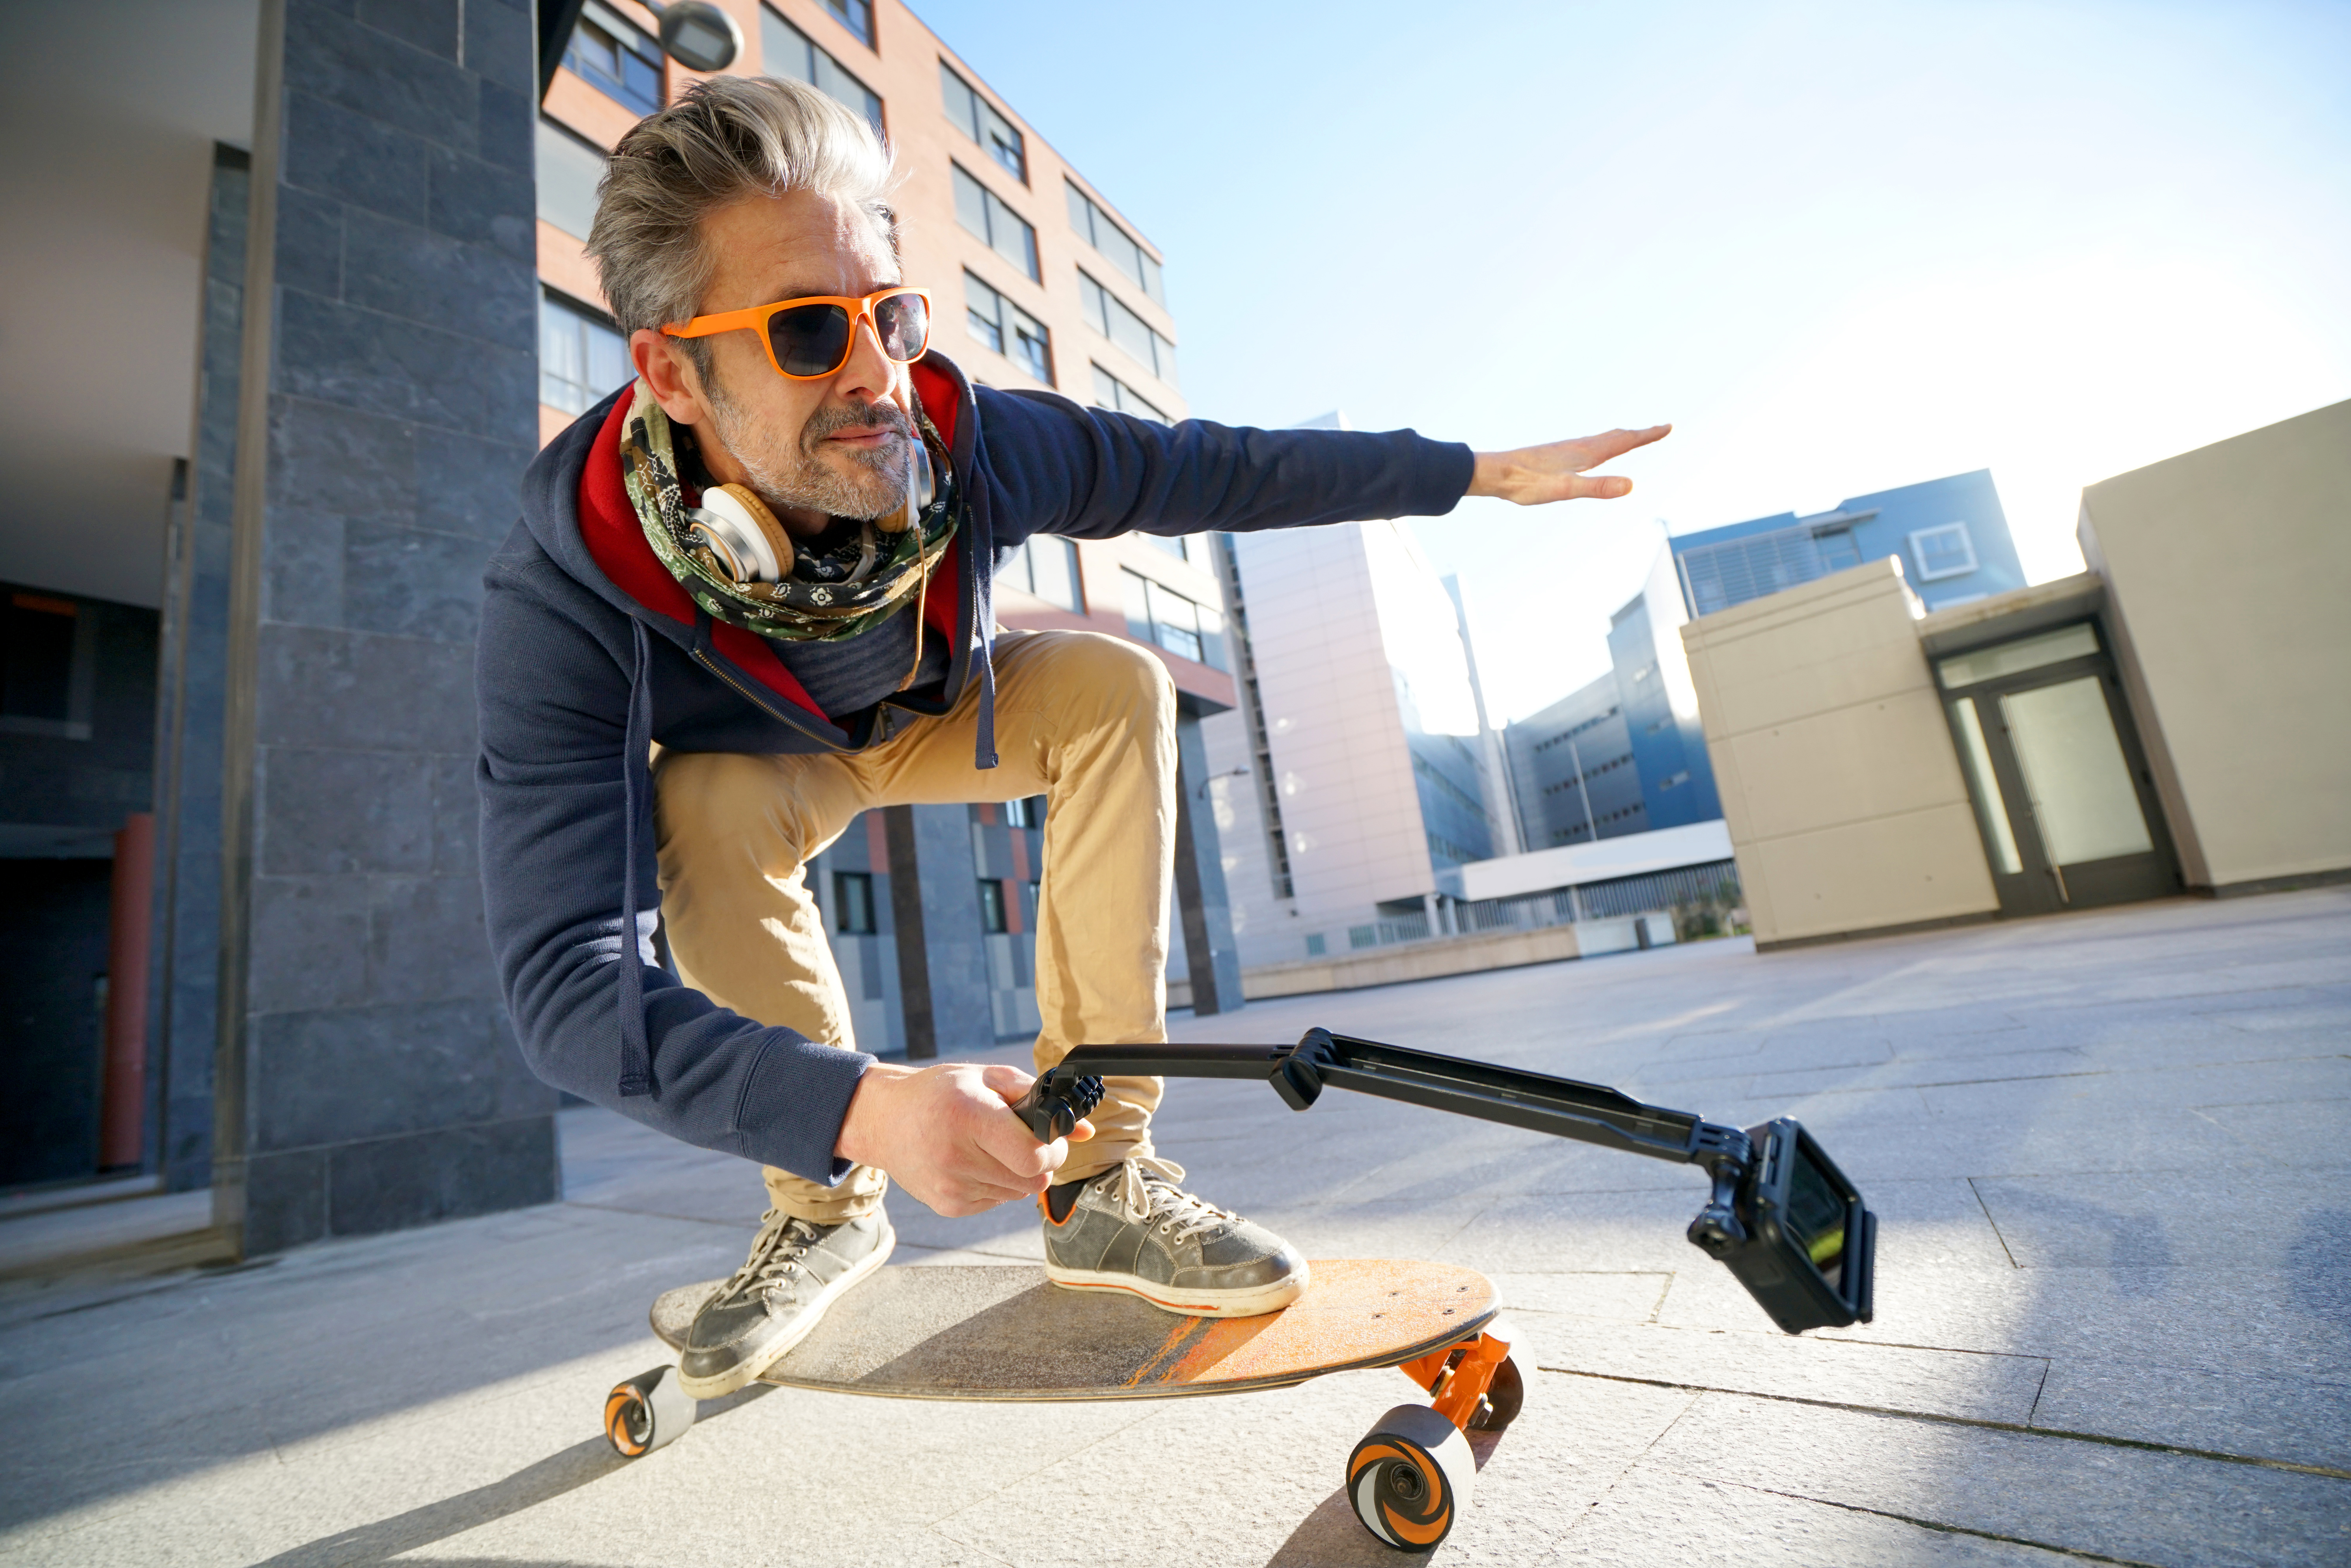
column 1357, row 766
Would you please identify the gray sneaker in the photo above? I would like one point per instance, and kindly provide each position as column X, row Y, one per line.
column 1131, row 1228
column 794, row 1272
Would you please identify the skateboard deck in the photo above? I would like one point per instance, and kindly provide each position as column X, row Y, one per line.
column 1006, row 1333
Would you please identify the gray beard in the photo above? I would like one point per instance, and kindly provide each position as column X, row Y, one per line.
column 788, row 474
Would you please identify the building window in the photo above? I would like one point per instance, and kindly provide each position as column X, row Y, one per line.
column 1004, row 326
column 991, row 906
column 1839, row 549
column 568, row 171
column 852, row 903
column 1097, row 229
column 1046, row 566
column 1317, row 946
column 616, row 58
column 1027, row 812
column 580, row 357
column 1112, row 392
column 857, row 16
column 1446, row 852
column 1008, row 234
column 1122, row 326
column 977, row 118
column 1943, row 552
column 788, row 52
column 39, row 637
column 1157, row 613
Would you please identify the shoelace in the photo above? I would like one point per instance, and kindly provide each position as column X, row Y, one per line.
column 1181, row 1213
column 777, row 1247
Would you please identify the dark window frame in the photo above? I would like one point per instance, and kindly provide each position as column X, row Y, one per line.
column 588, row 319
column 1087, row 220
column 853, row 904
column 990, row 205
column 846, row 13
column 874, row 108
column 984, row 121
column 631, row 45
column 1041, row 365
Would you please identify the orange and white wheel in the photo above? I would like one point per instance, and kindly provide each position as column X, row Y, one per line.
column 1410, row 1478
column 647, row 1411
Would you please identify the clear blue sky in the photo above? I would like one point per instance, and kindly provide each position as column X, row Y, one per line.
column 1842, row 248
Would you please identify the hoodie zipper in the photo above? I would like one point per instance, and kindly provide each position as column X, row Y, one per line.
column 746, row 693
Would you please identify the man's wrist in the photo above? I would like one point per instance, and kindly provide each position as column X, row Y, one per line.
column 868, row 1111
column 1487, row 473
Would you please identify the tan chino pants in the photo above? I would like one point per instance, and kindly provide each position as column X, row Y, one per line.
column 1085, row 720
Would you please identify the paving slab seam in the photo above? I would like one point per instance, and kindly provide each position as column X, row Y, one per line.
column 966, row 1546
column 2216, row 1455
column 1627, row 1467
column 1774, row 1337
column 2039, row 1389
column 2006, row 1251
column 1936, row 1525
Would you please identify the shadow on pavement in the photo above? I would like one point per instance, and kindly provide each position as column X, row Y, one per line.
column 565, row 1470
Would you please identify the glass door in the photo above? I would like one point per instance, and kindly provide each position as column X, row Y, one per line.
column 2063, row 796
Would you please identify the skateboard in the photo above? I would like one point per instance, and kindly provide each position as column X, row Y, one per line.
column 1005, row 1333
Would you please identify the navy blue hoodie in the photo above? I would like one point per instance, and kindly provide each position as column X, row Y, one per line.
column 589, row 651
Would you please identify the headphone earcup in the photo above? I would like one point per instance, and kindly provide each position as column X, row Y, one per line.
column 752, row 542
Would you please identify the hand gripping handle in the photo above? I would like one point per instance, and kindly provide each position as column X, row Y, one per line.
column 1052, row 1107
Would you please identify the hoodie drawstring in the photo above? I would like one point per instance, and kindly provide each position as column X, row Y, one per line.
column 984, row 751
column 636, row 1056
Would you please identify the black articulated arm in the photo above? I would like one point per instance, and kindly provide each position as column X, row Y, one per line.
column 1781, row 1216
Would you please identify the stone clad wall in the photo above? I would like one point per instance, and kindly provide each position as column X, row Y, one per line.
column 1843, row 792
column 2227, row 570
column 387, row 409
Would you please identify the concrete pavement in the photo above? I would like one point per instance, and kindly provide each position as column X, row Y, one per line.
column 2114, row 1307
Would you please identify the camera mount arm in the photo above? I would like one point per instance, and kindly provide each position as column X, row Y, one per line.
column 1589, row 1113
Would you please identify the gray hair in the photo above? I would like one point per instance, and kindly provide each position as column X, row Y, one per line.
column 724, row 138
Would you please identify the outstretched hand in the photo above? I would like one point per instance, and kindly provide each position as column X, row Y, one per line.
column 1535, row 475
column 947, row 1135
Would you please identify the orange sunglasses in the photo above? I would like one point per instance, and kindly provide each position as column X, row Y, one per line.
column 810, row 339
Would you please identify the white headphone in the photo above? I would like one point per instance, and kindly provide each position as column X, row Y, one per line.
column 749, row 545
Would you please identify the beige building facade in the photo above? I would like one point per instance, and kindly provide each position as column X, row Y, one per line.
column 2171, row 720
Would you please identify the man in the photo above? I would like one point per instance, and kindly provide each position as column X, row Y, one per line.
column 769, row 559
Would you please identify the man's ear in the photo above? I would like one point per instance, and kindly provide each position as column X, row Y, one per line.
column 663, row 368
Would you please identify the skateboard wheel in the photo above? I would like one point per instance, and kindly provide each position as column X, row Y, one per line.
column 1503, row 1398
column 647, row 1411
column 1410, row 1478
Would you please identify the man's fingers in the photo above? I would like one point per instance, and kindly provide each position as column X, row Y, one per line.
column 1006, row 1080
column 1616, row 442
column 1605, row 488
column 1081, row 1132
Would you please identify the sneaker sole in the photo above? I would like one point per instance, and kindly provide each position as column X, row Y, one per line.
column 749, row 1372
column 1249, row 1302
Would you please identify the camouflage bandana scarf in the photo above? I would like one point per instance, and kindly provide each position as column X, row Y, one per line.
column 792, row 611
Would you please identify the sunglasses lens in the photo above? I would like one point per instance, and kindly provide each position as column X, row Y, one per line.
column 905, row 324
column 809, row 340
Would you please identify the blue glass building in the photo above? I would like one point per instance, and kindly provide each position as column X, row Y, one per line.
column 1625, row 754
column 1950, row 535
